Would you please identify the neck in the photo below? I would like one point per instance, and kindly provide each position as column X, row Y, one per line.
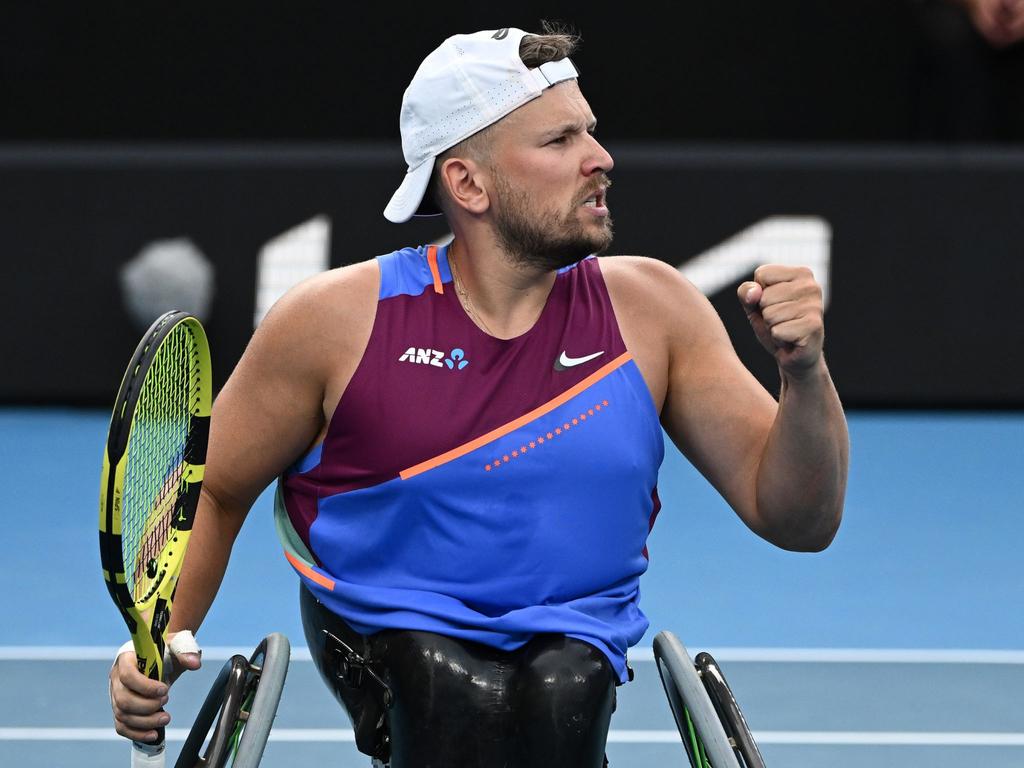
column 503, row 298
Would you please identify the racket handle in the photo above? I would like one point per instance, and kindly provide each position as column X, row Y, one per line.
column 149, row 755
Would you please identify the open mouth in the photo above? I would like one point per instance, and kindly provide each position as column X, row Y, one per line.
column 596, row 200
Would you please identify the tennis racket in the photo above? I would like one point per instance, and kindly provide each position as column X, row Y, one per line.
column 149, row 487
column 243, row 701
column 712, row 727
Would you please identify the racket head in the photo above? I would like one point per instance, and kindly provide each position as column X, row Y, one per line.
column 152, row 473
column 689, row 701
column 728, row 709
column 243, row 701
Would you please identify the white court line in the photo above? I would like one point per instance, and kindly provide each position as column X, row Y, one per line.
column 106, row 653
column 852, row 655
column 891, row 738
column 638, row 654
column 796, row 738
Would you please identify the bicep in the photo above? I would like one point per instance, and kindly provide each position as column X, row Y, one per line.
column 715, row 411
column 268, row 412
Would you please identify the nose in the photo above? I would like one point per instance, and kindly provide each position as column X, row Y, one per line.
column 598, row 160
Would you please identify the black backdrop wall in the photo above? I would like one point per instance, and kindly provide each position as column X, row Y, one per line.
column 720, row 114
column 927, row 251
column 330, row 70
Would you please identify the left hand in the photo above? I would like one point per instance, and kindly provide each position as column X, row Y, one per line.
column 785, row 309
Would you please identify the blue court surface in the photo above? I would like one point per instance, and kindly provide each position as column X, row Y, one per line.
column 901, row 645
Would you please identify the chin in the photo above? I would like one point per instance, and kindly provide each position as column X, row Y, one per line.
column 602, row 242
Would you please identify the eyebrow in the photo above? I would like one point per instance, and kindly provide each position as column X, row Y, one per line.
column 570, row 127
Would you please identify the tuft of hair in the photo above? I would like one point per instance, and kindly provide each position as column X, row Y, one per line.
column 557, row 41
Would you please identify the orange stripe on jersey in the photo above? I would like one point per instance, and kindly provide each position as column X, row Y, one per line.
column 515, row 424
column 432, row 261
column 308, row 572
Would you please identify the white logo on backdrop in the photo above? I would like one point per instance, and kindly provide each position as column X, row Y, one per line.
column 803, row 241
column 150, row 280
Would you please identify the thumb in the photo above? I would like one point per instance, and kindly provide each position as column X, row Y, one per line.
column 184, row 652
column 749, row 294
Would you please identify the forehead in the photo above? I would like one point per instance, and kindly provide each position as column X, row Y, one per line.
column 560, row 104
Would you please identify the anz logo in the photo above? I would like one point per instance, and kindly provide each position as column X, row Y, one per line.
column 420, row 356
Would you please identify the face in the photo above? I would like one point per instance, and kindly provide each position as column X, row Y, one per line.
column 549, row 181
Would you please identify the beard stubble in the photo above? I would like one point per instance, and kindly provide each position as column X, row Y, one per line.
column 544, row 240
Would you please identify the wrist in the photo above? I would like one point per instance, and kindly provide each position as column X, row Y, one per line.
column 803, row 377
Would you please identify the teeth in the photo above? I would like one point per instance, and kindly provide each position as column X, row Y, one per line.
column 591, row 202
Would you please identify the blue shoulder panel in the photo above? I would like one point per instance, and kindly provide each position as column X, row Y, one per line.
column 406, row 272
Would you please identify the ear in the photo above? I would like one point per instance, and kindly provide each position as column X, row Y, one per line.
column 466, row 182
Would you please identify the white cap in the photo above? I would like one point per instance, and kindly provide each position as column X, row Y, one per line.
column 464, row 85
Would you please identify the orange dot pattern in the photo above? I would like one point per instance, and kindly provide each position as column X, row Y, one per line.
column 538, row 441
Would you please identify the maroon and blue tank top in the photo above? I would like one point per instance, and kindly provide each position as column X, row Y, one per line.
column 483, row 488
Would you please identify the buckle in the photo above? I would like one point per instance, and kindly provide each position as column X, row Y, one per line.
column 350, row 667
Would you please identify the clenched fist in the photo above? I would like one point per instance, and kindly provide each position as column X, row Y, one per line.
column 785, row 309
column 137, row 702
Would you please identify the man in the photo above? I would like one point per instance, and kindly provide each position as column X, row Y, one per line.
column 468, row 437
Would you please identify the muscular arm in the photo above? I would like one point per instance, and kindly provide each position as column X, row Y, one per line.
column 780, row 465
column 272, row 409
column 267, row 412
column 801, row 477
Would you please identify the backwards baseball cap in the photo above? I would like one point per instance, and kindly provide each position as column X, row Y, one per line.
column 466, row 84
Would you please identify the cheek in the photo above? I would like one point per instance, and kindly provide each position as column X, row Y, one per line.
column 545, row 173
column 545, row 182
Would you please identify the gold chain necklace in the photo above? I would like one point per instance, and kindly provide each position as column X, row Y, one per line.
column 463, row 294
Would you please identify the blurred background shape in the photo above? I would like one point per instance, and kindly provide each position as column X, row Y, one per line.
column 166, row 275
column 290, row 258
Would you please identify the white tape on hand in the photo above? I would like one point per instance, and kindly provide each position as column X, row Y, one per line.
column 182, row 643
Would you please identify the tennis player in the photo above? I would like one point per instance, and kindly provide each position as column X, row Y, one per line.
column 467, row 438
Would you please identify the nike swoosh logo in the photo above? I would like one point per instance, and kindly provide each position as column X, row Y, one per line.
column 564, row 362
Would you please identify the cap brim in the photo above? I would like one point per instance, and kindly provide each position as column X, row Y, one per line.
column 407, row 198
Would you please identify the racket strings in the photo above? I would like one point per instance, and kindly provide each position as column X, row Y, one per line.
column 170, row 395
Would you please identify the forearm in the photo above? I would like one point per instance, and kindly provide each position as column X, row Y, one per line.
column 206, row 560
column 801, row 478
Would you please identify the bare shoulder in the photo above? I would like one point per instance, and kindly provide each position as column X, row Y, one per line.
column 641, row 278
column 656, row 294
column 335, row 308
column 311, row 340
column 334, row 294
column 277, row 400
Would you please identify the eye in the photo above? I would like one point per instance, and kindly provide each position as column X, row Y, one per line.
column 559, row 139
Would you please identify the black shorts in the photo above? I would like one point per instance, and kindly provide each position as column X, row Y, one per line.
column 445, row 703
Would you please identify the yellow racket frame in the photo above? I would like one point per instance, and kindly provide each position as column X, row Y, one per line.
column 147, row 619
